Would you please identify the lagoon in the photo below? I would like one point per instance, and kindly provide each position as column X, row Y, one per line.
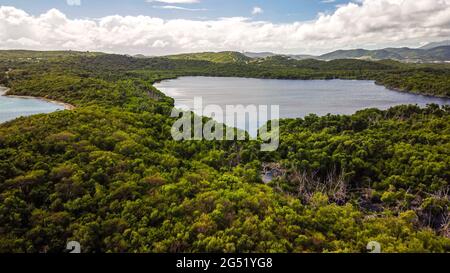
column 14, row 107
column 296, row 98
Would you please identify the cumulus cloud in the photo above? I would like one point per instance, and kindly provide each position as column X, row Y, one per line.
column 257, row 10
column 367, row 24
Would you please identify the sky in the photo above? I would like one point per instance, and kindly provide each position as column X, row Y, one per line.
column 270, row 10
column 152, row 27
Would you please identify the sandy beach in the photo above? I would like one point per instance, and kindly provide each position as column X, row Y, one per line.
column 4, row 91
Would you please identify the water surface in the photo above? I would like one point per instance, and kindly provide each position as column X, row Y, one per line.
column 12, row 107
column 296, row 98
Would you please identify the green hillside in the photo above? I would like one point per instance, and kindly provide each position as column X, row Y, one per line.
column 435, row 54
column 439, row 54
column 48, row 55
column 220, row 57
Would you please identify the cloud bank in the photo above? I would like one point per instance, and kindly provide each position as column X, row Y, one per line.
column 366, row 23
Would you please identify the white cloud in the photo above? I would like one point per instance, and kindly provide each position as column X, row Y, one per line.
column 159, row 43
column 73, row 2
column 257, row 10
column 370, row 24
column 175, row 1
column 177, row 8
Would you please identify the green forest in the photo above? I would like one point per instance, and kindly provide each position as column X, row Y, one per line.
column 108, row 174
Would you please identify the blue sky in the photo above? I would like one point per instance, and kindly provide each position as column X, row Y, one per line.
column 164, row 27
column 273, row 10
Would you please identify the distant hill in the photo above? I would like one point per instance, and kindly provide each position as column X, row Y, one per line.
column 37, row 55
column 142, row 56
column 270, row 54
column 437, row 54
column 436, row 44
column 259, row 54
column 301, row 57
column 314, row 64
column 215, row 57
column 442, row 52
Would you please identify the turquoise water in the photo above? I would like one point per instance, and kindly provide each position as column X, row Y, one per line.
column 12, row 108
column 296, row 98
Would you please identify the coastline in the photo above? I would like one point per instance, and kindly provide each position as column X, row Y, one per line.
column 395, row 89
column 67, row 106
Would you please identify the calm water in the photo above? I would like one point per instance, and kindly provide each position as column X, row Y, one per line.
column 296, row 98
column 11, row 108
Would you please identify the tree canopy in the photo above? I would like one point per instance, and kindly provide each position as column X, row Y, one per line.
column 109, row 175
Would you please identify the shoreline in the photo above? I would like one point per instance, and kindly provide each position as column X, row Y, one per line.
column 395, row 89
column 67, row 106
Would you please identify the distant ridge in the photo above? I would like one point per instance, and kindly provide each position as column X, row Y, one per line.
column 215, row 57
column 271, row 54
column 436, row 44
column 433, row 52
column 141, row 56
column 259, row 54
column 438, row 52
